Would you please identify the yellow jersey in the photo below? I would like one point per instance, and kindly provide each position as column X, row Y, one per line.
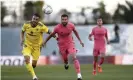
column 34, row 35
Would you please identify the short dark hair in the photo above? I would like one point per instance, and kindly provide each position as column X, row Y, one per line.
column 37, row 15
column 99, row 17
column 64, row 15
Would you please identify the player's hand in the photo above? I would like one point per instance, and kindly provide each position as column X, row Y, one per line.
column 82, row 44
column 90, row 38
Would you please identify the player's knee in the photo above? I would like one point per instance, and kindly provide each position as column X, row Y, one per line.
column 34, row 66
column 96, row 60
column 27, row 61
column 74, row 58
column 34, row 63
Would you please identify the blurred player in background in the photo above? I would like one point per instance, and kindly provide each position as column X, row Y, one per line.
column 117, row 37
column 100, row 39
column 66, row 44
column 31, row 39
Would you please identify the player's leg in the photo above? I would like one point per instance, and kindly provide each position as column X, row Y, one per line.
column 95, row 64
column 95, row 54
column 72, row 52
column 37, row 54
column 29, row 67
column 34, row 63
column 76, row 65
column 64, row 56
column 102, row 55
column 27, row 52
column 100, row 63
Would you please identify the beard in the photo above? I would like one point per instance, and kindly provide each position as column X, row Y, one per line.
column 64, row 23
column 99, row 24
column 34, row 24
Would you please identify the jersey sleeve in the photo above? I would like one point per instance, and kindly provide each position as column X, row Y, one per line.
column 44, row 29
column 23, row 27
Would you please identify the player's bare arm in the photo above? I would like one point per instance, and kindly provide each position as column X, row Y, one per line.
column 47, row 39
column 22, row 37
column 90, row 37
column 77, row 35
column 50, row 32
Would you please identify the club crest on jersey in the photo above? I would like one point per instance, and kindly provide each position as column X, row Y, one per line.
column 31, row 34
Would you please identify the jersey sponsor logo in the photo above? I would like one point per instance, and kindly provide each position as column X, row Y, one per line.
column 31, row 34
column 64, row 34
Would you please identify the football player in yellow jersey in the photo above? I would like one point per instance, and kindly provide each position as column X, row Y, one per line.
column 31, row 40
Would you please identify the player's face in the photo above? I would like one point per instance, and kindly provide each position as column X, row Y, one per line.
column 35, row 20
column 99, row 22
column 64, row 20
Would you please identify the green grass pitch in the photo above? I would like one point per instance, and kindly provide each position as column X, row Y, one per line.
column 57, row 72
